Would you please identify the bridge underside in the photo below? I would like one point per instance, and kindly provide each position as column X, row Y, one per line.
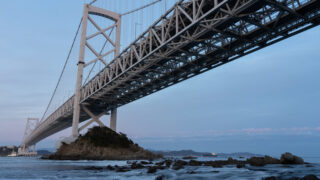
column 221, row 32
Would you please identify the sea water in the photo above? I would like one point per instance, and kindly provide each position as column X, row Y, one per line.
column 36, row 168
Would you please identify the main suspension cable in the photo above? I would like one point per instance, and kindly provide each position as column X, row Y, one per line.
column 142, row 7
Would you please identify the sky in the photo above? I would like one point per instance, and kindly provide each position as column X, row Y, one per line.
column 266, row 102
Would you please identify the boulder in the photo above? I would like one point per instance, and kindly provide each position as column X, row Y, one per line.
column 261, row 161
column 195, row 163
column 159, row 177
column 310, row 177
column 168, row 162
column 179, row 164
column 256, row 161
column 288, row 158
column 136, row 166
column 152, row 169
column 109, row 167
column 270, row 178
column 123, row 169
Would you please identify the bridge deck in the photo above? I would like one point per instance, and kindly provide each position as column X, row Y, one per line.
column 191, row 38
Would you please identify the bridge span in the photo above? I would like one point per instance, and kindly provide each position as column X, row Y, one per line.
column 192, row 37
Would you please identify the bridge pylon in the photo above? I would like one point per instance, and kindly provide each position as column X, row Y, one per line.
column 25, row 150
column 88, row 12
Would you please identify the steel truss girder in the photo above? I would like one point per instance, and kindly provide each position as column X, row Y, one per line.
column 190, row 39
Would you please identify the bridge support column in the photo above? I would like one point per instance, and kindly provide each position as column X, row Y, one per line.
column 76, row 106
column 88, row 13
column 113, row 119
column 27, row 150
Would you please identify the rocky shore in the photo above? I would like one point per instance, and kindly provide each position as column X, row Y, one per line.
column 151, row 167
column 101, row 143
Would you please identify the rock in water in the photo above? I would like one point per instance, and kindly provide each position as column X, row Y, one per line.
column 261, row 161
column 310, row 177
column 288, row 158
column 102, row 143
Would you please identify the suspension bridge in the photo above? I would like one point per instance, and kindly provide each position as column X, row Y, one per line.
column 189, row 38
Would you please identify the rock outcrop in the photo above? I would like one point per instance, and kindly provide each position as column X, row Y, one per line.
column 288, row 158
column 102, row 143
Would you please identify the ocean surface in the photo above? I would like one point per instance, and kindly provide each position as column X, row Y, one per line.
column 35, row 168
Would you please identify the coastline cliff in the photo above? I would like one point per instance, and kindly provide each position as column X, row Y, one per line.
column 102, row 143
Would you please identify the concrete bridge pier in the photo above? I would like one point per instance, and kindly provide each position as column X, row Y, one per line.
column 27, row 151
column 113, row 119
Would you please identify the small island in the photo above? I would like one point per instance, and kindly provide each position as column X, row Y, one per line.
column 102, row 143
column 8, row 150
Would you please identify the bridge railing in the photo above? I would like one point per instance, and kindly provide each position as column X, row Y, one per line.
column 65, row 108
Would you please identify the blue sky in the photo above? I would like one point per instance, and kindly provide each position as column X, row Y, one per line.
column 261, row 102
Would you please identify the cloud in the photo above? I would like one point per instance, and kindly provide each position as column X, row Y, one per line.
column 239, row 132
column 257, row 130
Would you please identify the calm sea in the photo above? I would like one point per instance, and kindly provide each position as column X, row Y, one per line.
column 35, row 168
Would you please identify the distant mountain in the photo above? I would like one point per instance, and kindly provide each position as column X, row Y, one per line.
column 181, row 153
column 238, row 154
column 44, row 152
column 194, row 153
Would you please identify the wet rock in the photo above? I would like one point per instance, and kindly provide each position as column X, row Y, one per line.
column 189, row 157
column 261, row 161
column 136, row 166
column 271, row 160
column 159, row 177
column 256, row 161
column 270, row 178
column 160, row 163
column 288, row 158
column 310, row 177
column 168, row 162
column 179, row 164
column 123, row 169
column 195, row 163
column 110, row 168
column 131, row 162
column 177, row 167
column 309, row 165
column 152, row 169
column 93, row 168
column 215, row 164
column 240, row 165
column 191, row 172
column 161, row 167
column 145, row 162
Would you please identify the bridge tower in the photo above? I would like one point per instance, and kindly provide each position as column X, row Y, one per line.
column 89, row 11
column 24, row 150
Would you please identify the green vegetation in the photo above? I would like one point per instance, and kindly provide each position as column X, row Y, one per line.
column 105, row 137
